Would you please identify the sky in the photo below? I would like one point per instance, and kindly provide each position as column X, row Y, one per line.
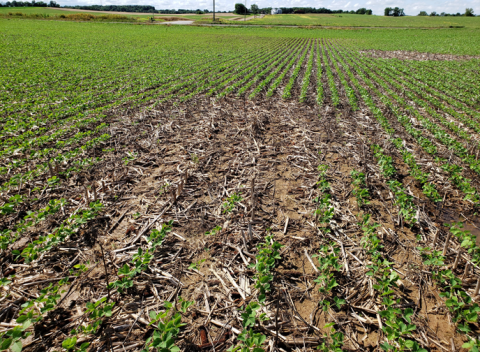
column 411, row 7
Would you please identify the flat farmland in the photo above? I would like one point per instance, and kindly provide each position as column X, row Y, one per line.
column 351, row 20
column 245, row 189
column 48, row 13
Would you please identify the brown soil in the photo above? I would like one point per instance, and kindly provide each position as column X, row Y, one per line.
column 413, row 55
column 168, row 19
column 248, row 18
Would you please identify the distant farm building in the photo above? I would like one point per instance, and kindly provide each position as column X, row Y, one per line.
column 276, row 12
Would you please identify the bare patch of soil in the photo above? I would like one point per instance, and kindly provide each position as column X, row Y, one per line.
column 248, row 18
column 168, row 19
column 416, row 56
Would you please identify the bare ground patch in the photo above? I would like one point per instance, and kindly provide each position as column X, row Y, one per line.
column 416, row 56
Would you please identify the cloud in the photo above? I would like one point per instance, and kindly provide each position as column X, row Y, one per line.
column 411, row 7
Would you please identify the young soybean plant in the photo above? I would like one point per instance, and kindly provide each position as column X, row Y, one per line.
column 250, row 341
column 398, row 326
column 33, row 312
column 231, row 202
column 467, row 240
column 141, row 259
column 337, row 340
column 169, row 323
column 268, row 254
column 96, row 311
column 460, row 305
column 328, row 266
column 359, row 188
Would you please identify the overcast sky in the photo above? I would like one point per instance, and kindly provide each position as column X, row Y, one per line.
column 412, row 7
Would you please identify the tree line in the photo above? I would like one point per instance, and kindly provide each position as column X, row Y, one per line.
column 117, row 8
column 396, row 12
column 183, row 11
column 105, row 8
column 29, row 4
column 241, row 10
column 468, row 12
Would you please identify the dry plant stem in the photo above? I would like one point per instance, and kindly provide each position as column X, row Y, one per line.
column 345, row 260
column 253, row 198
column 466, row 272
column 445, row 247
column 311, row 261
column 94, row 192
column 50, row 169
column 457, row 259
column 477, row 288
column 106, row 272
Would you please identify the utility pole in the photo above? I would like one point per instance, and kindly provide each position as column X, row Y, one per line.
column 213, row 10
column 245, row 17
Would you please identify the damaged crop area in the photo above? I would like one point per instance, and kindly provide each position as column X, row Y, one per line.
column 291, row 194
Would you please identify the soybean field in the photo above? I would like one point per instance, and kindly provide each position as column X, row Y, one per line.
column 245, row 189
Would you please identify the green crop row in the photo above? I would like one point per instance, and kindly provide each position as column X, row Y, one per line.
column 287, row 91
column 331, row 80
column 306, row 77
column 280, row 66
column 405, row 121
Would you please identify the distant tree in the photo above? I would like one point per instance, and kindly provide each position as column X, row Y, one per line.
column 254, row 9
column 388, row 11
column 423, row 13
column 398, row 12
column 240, row 9
column 299, row 11
column 469, row 12
column 53, row 4
column 443, row 14
column 363, row 11
column 433, row 13
column 124, row 8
